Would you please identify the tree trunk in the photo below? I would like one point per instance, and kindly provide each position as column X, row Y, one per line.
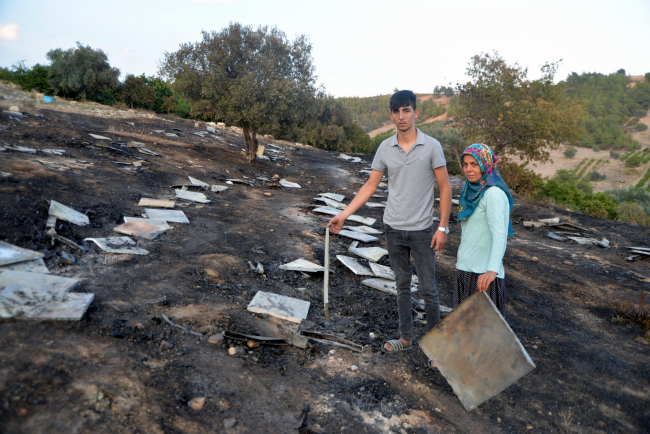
column 460, row 161
column 254, row 145
column 247, row 140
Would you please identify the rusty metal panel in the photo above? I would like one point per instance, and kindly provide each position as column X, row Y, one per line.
column 476, row 351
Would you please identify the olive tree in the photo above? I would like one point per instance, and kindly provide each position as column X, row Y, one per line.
column 136, row 92
column 254, row 78
column 81, row 72
column 512, row 114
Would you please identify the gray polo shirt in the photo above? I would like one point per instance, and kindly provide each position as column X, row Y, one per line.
column 410, row 181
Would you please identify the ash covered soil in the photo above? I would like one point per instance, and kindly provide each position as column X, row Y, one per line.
column 111, row 373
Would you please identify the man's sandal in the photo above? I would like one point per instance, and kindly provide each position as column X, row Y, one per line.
column 397, row 345
column 429, row 365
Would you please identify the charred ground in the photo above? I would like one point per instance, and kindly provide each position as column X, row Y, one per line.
column 108, row 372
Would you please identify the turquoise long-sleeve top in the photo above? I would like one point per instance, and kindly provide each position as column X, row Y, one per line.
column 484, row 235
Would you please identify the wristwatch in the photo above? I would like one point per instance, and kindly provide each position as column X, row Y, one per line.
column 445, row 230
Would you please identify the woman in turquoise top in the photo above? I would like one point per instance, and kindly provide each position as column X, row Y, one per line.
column 484, row 215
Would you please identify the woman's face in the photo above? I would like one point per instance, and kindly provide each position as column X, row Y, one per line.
column 471, row 168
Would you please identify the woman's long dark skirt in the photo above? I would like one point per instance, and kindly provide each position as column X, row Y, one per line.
column 467, row 284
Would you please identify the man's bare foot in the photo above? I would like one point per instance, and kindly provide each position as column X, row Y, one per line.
column 388, row 347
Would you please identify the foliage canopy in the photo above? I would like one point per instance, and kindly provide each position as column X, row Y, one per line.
column 34, row 78
column 609, row 101
column 512, row 114
column 255, row 78
column 81, row 72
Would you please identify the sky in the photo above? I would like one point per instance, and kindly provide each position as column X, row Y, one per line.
column 359, row 47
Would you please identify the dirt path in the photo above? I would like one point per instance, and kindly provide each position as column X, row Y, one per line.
column 110, row 371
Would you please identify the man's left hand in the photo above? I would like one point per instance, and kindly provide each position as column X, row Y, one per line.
column 438, row 241
column 484, row 280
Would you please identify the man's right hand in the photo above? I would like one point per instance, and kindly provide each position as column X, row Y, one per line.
column 336, row 224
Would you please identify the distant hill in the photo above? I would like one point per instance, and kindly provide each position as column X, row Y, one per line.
column 372, row 112
column 613, row 105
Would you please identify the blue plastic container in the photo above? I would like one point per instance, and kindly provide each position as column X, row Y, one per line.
column 48, row 99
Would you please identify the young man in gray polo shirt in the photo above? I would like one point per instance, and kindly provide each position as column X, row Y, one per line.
column 412, row 160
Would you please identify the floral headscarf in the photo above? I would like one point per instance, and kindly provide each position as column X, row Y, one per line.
column 472, row 193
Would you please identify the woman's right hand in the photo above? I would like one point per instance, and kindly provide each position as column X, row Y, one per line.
column 484, row 280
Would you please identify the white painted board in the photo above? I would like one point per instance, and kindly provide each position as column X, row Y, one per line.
column 302, row 265
column 369, row 253
column 385, row 272
column 334, row 196
column 10, row 254
column 354, row 266
column 353, row 218
column 331, row 203
column 19, row 301
column 158, row 203
column 280, row 306
column 68, row 214
column 98, row 137
column 375, row 205
column 47, row 282
column 358, row 236
column 192, row 195
column 363, row 229
column 167, row 215
column 198, row 183
column 386, row 285
column 122, row 245
column 160, row 223
column 476, row 351
column 139, row 229
column 33, row 266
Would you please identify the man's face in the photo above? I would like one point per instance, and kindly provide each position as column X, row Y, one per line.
column 404, row 118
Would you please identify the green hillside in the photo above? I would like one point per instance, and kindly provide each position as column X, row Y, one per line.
column 372, row 112
column 610, row 101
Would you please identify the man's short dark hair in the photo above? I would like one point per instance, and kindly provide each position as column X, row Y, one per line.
column 402, row 98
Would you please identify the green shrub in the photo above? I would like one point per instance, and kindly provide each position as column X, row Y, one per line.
column 562, row 193
column 640, row 127
column 634, row 160
column 359, row 139
column 567, row 194
column 599, row 205
column 107, row 97
column 631, row 195
column 584, row 186
column 597, row 176
column 631, row 212
column 520, row 180
column 183, row 108
column 640, row 113
column 564, row 176
column 570, row 152
column 632, row 122
column 34, row 78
